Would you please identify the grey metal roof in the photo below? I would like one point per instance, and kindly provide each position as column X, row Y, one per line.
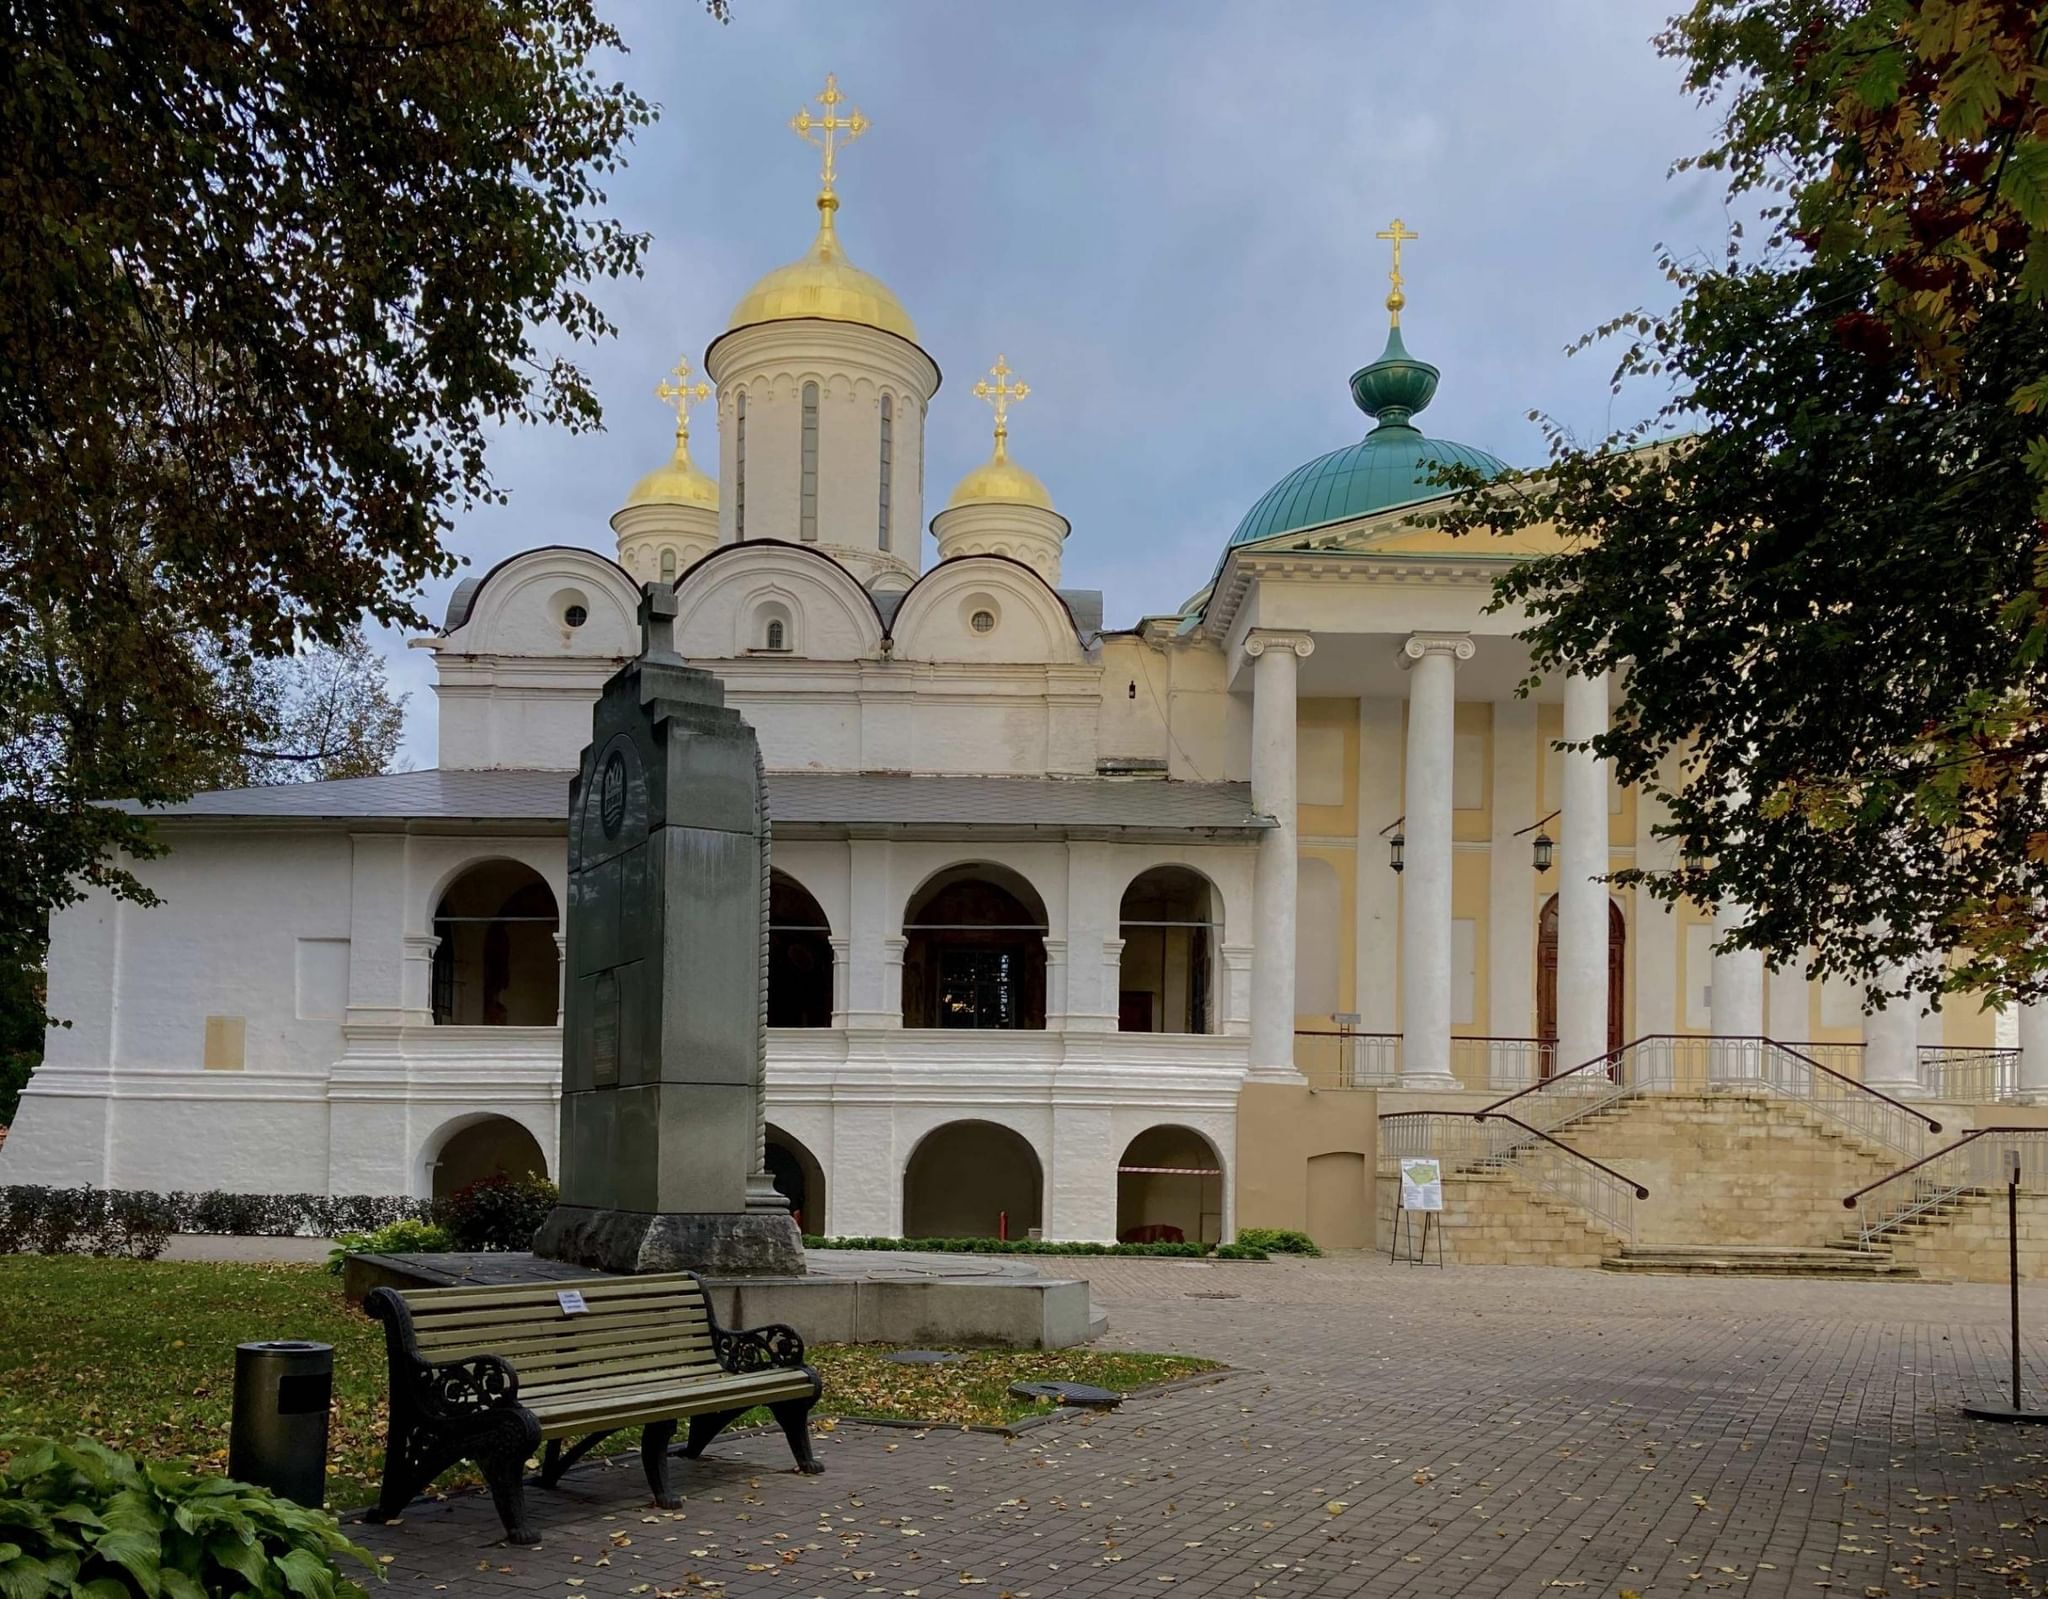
column 1086, row 607
column 459, row 603
column 801, row 802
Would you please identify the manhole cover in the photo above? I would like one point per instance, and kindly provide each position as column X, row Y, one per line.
column 1206, row 1294
column 1068, row 1393
column 925, row 1357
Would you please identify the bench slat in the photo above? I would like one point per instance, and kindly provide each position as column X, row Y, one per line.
column 686, row 1368
column 544, row 1340
column 592, row 1288
column 495, row 1334
column 484, row 1322
column 593, row 1412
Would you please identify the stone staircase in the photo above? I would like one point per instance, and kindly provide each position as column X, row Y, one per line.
column 1758, row 1260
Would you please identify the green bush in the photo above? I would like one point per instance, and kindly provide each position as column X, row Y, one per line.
column 84, row 1221
column 82, row 1521
column 1278, row 1241
column 400, row 1238
column 497, row 1212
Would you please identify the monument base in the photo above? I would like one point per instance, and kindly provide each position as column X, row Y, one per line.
column 747, row 1243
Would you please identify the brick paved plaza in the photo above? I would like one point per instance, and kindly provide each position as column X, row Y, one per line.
column 1387, row 1430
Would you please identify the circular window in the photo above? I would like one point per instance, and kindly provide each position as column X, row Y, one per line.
column 983, row 621
column 575, row 616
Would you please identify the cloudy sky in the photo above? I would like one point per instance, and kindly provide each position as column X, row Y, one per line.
column 1163, row 212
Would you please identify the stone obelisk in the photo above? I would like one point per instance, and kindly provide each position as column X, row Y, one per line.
column 664, row 1068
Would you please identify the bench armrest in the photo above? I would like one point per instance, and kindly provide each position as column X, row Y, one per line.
column 439, row 1391
column 758, row 1348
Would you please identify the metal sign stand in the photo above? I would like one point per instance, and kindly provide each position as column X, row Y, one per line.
column 2014, row 1412
column 1404, row 1236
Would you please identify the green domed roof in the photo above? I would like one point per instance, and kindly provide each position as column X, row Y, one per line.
column 1392, row 465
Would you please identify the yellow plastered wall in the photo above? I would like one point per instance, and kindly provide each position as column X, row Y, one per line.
column 1474, row 732
column 1344, row 937
column 1472, row 900
column 1326, row 768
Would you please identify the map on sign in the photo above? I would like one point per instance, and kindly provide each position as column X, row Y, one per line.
column 1422, row 1185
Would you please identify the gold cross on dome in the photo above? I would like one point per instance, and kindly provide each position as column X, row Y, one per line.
column 828, row 130
column 1000, row 394
column 1399, row 233
column 679, row 394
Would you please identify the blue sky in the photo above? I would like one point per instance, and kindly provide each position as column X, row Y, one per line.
column 1162, row 212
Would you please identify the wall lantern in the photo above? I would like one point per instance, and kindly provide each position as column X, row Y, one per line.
column 1544, row 849
column 1395, row 846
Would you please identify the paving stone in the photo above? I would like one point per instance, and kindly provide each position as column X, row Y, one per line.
column 1485, row 1431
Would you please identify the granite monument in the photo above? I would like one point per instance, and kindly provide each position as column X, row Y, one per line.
column 664, row 1067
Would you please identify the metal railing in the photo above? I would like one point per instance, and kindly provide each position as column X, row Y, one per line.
column 1665, row 1063
column 1338, row 1058
column 1978, row 1162
column 1460, row 1142
column 1500, row 1062
column 1970, row 1076
column 1846, row 1058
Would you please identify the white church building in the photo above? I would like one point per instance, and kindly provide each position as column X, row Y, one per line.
column 1108, row 931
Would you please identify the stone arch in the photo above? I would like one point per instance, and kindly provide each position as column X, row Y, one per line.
column 1171, row 922
column 831, row 616
column 972, row 1179
column 517, row 608
column 496, row 960
column 974, row 950
column 1036, row 626
column 798, row 1178
column 479, row 1145
column 799, row 955
column 1169, row 1188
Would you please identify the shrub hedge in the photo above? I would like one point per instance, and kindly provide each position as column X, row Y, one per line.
column 1278, row 1240
column 496, row 1213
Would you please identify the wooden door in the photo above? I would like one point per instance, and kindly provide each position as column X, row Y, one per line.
column 1546, row 983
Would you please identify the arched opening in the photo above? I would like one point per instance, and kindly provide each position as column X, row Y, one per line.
column 974, row 951
column 497, row 964
column 1546, row 983
column 490, row 1146
column 799, row 956
column 972, row 1180
column 1169, row 1189
column 1164, row 978
column 798, row 1178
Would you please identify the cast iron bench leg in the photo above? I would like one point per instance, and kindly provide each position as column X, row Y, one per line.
column 655, row 1438
column 708, row 1426
column 501, row 1449
column 794, row 1418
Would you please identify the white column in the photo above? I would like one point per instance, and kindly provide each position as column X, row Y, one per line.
column 1737, row 1008
column 1276, row 657
column 561, row 976
column 1512, row 887
column 1891, row 1040
column 2033, row 1071
column 1432, row 663
column 874, row 984
column 1582, row 934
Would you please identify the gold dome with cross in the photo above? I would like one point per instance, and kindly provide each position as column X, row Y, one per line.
column 1000, row 480
column 679, row 481
column 823, row 283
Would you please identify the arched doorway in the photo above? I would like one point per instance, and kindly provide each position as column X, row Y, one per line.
column 1164, row 979
column 798, row 1178
column 972, row 1180
column 489, row 1146
column 799, row 956
column 1169, row 1189
column 496, row 963
column 1546, row 983
column 974, row 951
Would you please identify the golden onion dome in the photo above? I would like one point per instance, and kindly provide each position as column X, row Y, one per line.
column 825, row 285
column 677, row 482
column 1001, row 481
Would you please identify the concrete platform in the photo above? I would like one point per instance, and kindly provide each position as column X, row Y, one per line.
column 850, row 1296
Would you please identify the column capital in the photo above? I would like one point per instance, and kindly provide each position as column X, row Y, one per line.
column 1261, row 639
column 1416, row 646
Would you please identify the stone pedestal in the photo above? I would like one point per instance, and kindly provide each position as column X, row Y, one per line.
column 665, row 1009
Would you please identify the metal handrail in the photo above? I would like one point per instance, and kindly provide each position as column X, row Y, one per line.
column 1605, row 1203
column 1947, row 1174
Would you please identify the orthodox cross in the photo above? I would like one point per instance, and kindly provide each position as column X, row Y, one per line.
column 999, row 394
column 1398, row 234
column 828, row 130
column 679, row 394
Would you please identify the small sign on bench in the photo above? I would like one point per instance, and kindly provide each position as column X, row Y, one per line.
column 571, row 1301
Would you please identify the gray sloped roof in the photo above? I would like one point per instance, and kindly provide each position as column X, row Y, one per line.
column 801, row 802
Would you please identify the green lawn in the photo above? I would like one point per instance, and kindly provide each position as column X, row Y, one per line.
column 141, row 1355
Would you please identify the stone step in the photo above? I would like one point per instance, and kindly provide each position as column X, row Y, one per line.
column 1756, row 1260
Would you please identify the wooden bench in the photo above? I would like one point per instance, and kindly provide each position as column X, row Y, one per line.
column 490, row 1373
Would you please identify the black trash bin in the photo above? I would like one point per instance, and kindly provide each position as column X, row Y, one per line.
column 278, row 1437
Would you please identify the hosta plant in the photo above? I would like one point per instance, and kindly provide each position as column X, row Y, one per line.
column 81, row 1521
